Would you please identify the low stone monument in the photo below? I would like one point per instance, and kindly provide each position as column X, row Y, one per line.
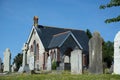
column 7, row 60
column 117, row 53
column 76, row 62
column 95, row 54
column 49, row 63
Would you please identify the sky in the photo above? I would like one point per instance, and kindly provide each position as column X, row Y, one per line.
column 16, row 19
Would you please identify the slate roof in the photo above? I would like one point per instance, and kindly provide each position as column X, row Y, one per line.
column 48, row 35
column 58, row 39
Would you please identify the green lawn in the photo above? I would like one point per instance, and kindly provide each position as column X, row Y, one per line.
column 60, row 77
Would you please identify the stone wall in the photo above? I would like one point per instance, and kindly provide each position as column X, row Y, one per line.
column 35, row 37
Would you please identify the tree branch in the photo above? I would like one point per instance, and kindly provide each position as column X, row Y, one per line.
column 117, row 19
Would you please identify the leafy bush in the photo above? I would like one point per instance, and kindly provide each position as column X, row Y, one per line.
column 54, row 65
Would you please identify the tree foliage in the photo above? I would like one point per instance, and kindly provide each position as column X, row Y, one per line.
column 18, row 60
column 89, row 34
column 112, row 3
column 108, row 51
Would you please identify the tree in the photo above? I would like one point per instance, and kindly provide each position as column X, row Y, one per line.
column 89, row 34
column 112, row 3
column 108, row 51
column 18, row 61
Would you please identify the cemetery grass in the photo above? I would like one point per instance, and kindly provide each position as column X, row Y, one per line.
column 64, row 76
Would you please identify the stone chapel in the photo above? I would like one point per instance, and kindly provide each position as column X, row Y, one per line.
column 58, row 43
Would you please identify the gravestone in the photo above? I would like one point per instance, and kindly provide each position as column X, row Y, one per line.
column 0, row 65
column 31, row 64
column 49, row 63
column 66, row 59
column 111, row 69
column 66, row 63
column 76, row 61
column 117, row 53
column 13, row 67
column 7, row 60
column 61, row 66
column 20, row 69
column 95, row 54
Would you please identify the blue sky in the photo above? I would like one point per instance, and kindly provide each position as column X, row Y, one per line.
column 16, row 19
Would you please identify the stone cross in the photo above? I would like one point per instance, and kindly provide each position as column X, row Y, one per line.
column 95, row 54
column 24, row 50
column 25, row 66
column 7, row 60
column 117, row 53
column 76, row 61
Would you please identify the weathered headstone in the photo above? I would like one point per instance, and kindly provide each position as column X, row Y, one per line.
column 66, row 63
column 117, row 53
column 20, row 69
column 0, row 65
column 111, row 69
column 66, row 59
column 31, row 64
column 49, row 63
column 62, row 66
column 76, row 62
column 95, row 54
column 13, row 67
column 7, row 60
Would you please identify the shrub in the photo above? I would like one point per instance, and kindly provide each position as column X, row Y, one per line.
column 54, row 65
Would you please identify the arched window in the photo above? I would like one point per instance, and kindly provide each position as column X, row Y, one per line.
column 54, row 54
column 37, row 52
column 34, row 46
column 51, row 54
column 34, row 49
column 31, row 48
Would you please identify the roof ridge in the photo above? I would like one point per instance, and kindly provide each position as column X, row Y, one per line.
column 61, row 33
column 61, row 28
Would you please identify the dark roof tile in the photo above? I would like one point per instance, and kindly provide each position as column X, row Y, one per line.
column 49, row 34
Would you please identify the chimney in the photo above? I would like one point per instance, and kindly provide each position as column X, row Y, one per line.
column 35, row 21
